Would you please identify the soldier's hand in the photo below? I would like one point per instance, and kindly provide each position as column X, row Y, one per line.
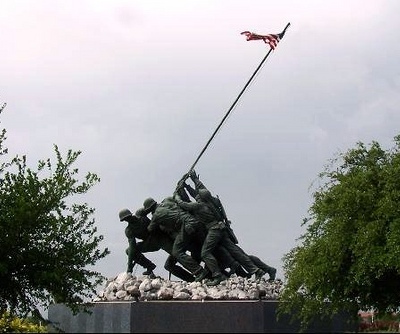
column 193, row 175
column 183, row 179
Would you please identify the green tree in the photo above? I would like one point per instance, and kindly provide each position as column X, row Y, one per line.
column 349, row 257
column 49, row 241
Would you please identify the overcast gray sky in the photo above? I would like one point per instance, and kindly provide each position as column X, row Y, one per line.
column 140, row 86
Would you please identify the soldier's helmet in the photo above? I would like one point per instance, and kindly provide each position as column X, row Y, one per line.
column 204, row 194
column 124, row 213
column 149, row 203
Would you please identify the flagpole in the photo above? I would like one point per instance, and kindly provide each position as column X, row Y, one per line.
column 236, row 100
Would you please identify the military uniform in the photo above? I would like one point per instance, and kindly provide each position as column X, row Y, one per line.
column 150, row 242
column 209, row 211
column 170, row 218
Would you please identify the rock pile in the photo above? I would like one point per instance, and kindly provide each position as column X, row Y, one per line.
column 126, row 287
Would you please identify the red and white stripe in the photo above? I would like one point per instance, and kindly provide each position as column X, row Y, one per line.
column 271, row 39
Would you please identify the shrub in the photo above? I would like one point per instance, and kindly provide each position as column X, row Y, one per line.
column 11, row 324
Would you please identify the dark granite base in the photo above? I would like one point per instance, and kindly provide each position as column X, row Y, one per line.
column 250, row 316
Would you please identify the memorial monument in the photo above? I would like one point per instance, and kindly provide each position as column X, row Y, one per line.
column 216, row 285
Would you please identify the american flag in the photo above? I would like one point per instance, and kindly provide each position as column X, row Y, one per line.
column 271, row 39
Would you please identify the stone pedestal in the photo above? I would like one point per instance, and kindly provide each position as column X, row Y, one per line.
column 248, row 316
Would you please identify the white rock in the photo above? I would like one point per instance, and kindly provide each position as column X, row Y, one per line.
column 145, row 285
column 242, row 295
column 253, row 294
column 133, row 290
column 122, row 277
column 165, row 293
column 112, row 297
column 181, row 296
column 129, row 298
column 156, row 283
column 183, row 289
column 121, row 294
column 127, row 287
column 195, row 296
column 111, row 287
column 193, row 285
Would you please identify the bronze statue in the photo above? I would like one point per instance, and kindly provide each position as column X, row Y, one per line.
column 191, row 232
column 220, row 213
column 210, row 212
column 151, row 242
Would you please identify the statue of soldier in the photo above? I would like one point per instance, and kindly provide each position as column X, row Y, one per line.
column 217, row 234
column 216, row 205
column 168, row 217
column 151, row 242
column 188, row 234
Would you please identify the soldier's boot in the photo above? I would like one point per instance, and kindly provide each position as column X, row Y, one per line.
column 201, row 274
column 146, row 263
column 226, row 273
column 259, row 274
column 263, row 266
column 171, row 266
column 237, row 269
column 272, row 274
column 271, row 271
column 181, row 273
column 218, row 278
column 149, row 271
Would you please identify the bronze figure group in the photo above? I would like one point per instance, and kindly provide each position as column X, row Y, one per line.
column 193, row 228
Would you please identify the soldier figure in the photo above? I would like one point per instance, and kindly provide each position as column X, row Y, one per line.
column 169, row 217
column 209, row 211
column 151, row 242
column 217, row 207
column 190, row 232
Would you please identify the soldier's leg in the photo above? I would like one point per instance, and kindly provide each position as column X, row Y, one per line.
column 153, row 243
column 179, row 249
column 170, row 266
column 210, row 244
column 226, row 260
column 164, row 241
column 143, row 261
column 260, row 264
column 241, row 257
column 194, row 247
column 195, row 240
column 167, row 244
column 140, row 259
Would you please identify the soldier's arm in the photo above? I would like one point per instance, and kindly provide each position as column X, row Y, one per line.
column 195, row 178
column 154, row 223
column 182, row 193
column 192, row 192
column 188, row 206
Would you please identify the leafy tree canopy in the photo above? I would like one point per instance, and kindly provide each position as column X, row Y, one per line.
column 349, row 257
column 49, row 240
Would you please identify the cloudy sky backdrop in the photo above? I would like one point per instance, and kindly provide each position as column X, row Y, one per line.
column 140, row 86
